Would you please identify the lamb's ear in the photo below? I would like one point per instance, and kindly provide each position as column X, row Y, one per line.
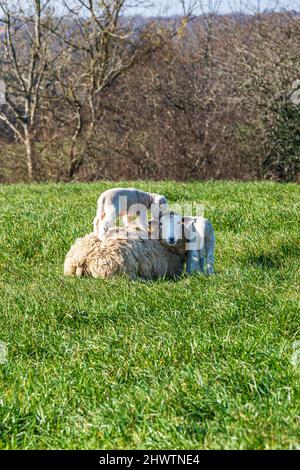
column 185, row 220
column 163, row 208
column 189, row 228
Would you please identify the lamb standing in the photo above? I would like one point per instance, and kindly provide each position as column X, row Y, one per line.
column 128, row 203
column 202, row 244
column 198, row 236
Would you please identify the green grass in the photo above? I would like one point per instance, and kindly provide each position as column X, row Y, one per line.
column 201, row 363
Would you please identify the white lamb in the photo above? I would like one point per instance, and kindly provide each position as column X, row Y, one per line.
column 198, row 234
column 128, row 203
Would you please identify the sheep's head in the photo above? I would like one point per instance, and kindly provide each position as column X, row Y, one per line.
column 133, row 231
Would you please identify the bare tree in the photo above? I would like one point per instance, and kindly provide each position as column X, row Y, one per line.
column 65, row 64
column 96, row 51
column 209, row 10
column 266, row 67
column 25, row 60
column 102, row 45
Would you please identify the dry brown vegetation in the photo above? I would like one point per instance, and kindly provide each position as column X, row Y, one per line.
column 195, row 97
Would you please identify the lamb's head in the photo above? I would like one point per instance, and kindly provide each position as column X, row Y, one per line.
column 171, row 230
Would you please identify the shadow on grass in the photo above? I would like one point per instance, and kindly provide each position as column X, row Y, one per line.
column 280, row 256
column 266, row 261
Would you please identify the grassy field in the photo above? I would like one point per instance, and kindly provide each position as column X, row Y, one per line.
column 201, row 363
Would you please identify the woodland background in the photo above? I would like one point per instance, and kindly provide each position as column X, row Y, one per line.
column 90, row 92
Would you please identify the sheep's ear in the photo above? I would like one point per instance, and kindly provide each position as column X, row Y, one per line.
column 151, row 224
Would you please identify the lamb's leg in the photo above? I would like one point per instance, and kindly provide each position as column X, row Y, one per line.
column 96, row 225
column 200, row 233
column 210, row 260
column 193, row 261
column 99, row 217
column 201, row 260
column 195, row 249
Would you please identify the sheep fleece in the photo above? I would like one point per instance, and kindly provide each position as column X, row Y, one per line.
column 133, row 257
